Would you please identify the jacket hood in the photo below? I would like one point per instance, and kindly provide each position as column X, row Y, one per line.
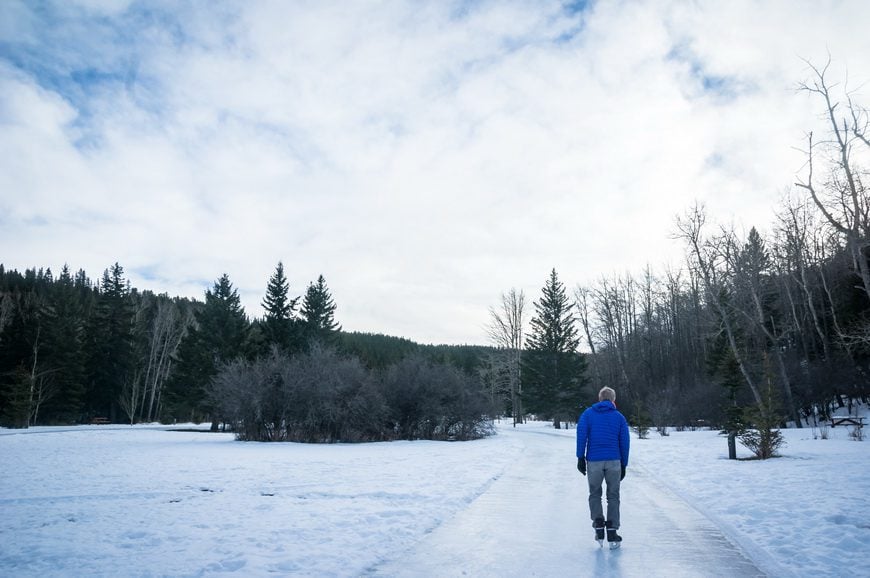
column 603, row 406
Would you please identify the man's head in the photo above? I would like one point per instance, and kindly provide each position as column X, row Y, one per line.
column 607, row 393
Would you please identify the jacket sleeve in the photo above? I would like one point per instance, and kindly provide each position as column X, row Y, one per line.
column 624, row 442
column 582, row 435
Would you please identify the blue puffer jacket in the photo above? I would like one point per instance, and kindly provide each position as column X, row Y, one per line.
column 602, row 434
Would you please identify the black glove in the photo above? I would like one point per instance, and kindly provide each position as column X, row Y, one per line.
column 581, row 465
column 622, row 473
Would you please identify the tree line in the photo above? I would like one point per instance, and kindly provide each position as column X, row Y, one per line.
column 751, row 328
column 72, row 350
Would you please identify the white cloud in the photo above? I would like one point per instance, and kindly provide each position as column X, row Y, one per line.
column 423, row 157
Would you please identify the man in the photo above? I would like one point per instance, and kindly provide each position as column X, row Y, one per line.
column 602, row 456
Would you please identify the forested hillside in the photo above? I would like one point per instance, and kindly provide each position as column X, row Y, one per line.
column 72, row 350
column 750, row 327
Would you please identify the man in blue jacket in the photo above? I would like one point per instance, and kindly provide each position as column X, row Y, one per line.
column 602, row 456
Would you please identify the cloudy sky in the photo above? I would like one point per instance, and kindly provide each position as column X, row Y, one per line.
column 423, row 156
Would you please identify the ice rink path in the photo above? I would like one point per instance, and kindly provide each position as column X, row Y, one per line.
column 534, row 521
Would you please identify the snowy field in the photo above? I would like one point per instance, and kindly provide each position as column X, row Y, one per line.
column 145, row 501
column 807, row 512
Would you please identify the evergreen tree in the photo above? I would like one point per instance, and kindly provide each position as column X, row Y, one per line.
column 65, row 342
column 111, row 363
column 755, row 282
column 723, row 368
column 762, row 436
column 553, row 369
column 20, row 335
column 219, row 336
column 279, row 323
column 318, row 314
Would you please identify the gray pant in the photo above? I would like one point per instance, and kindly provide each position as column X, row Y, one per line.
column 596, row 473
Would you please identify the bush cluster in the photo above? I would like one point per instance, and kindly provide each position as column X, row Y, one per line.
column 323, row 396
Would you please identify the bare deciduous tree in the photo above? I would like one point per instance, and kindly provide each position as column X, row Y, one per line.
column 706, row 256
column 505, row 330
column 613, row 303
column 841, row 196
column 41, row 385
column 168, row 328
column 582, row 296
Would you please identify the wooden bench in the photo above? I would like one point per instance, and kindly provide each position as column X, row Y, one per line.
column 100, row 421
column 857, row 421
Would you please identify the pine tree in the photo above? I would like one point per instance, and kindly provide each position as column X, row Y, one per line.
column 318, row 314
column 279, row 324
column 762, row 436
column 65, row 342
column 220, row 335
column 19, row 335
column 553, row 369
column 110, row 339
column 723, row 368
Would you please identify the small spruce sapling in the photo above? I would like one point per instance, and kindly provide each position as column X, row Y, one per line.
column 762, row 437
column 641, row 421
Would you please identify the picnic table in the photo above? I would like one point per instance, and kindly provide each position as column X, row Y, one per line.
column 857, row 421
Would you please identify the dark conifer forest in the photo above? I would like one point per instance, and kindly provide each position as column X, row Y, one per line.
column 73, row 350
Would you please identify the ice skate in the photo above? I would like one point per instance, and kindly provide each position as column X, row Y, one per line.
column 614, row 540
column 598, row 526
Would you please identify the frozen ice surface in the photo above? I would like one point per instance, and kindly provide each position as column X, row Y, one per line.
column 534, row 521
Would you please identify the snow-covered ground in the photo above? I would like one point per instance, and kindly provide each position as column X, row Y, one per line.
column 807, row 511
column 144, row 501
